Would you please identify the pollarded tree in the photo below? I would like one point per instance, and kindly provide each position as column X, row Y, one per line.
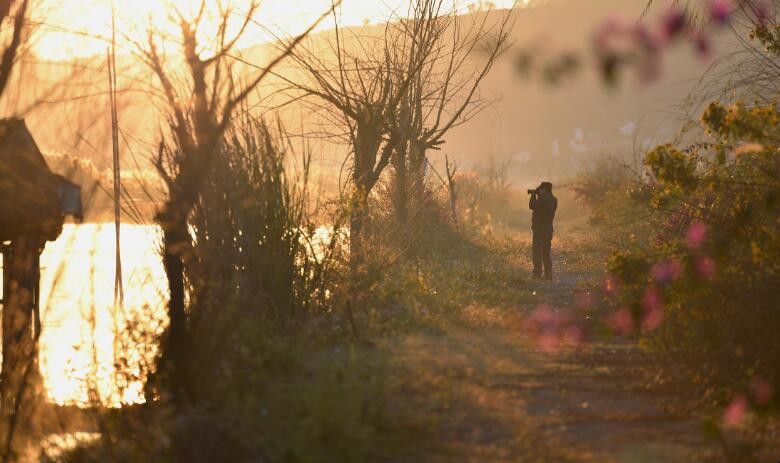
column 363, row 91
column 395, row 95
column 200, row 97
column 444, row 91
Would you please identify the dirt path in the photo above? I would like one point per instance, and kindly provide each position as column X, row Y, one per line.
column 493, row 396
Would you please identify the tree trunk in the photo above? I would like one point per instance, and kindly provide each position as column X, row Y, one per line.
column 454, row 202
column 400, row 193
column 417, row 164
column 19, row 346
column 174, row 351
column 357, row 221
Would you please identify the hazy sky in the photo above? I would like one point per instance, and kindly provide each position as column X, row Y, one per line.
column 79, row 27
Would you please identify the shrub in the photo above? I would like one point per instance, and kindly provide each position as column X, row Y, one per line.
column 713, row 270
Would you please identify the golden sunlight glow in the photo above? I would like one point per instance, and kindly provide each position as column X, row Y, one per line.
column 90, row 350
column 83, row 27
column 83, row 335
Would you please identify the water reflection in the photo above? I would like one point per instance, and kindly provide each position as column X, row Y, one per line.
column 79, row 344
column 88, row 349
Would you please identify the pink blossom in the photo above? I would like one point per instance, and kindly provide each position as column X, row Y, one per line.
column 545, row 314
column 761, row 391
column 548, row 342
column 703, row 47
column 762, row 12
column 673, row 22
column 651, row 299
column 652, row 304
column 667, row 271
column 652, row 319
column 622, row 322
column 705, row 267
column 606, row 32
column 735, row 413
column 721, row 10
column 696, row 234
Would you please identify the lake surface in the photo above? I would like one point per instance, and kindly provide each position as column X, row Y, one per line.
column 83, row 335
column 90, row 350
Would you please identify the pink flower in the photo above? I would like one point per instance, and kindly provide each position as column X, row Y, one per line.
column 703, row 47
column 696, row 234
column 652, row 319
column 651, row 299
column 667, row 271
column 548, row 342
column 763, row 12
column 735, row 413
column 761, row 391
column 721, row 10
column 622, row 322
column 544, row 314
column 673, row 22
column 606, row 32
column 705, row 267
column 653, row 307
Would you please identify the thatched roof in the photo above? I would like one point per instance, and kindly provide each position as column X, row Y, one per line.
column 31, row 195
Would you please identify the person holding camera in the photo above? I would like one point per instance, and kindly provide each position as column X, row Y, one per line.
column 543, row 204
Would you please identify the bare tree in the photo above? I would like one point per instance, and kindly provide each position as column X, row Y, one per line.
column 444, row 93
column 199, row 111
column 395, row 96
column 355, row 77
column 13, row 15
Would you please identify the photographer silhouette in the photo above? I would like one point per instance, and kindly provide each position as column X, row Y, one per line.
column 543, row 204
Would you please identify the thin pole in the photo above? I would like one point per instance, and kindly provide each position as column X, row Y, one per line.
column 119, row 294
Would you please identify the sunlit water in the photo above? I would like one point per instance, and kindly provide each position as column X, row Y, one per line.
column 83, row 333
column 90, row 350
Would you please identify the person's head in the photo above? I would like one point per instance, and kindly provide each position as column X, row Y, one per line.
column 545, row 188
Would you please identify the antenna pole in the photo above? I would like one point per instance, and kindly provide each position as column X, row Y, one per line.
column 119, row 294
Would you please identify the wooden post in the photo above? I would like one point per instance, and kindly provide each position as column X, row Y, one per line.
column 4, row 251
column 19, row 365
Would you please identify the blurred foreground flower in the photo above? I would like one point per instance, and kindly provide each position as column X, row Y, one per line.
column 622, row 322
column 761, row 391
column 735, row 413
column 705, row 267
column 653, row 309
column 552, row 329
column 721, row 11
column 673, row 23
column 666, row 272
column 695, row 235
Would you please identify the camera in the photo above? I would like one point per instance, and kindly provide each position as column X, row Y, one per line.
column 533, row 192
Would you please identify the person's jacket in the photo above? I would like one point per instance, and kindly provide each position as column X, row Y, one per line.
column 543, row 207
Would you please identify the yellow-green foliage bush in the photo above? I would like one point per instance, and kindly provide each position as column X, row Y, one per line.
column 711, row 271
column 618, row 202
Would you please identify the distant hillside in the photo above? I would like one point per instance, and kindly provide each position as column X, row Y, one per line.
column 545, row 131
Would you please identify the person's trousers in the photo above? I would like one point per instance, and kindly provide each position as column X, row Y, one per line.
column 542, row 244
